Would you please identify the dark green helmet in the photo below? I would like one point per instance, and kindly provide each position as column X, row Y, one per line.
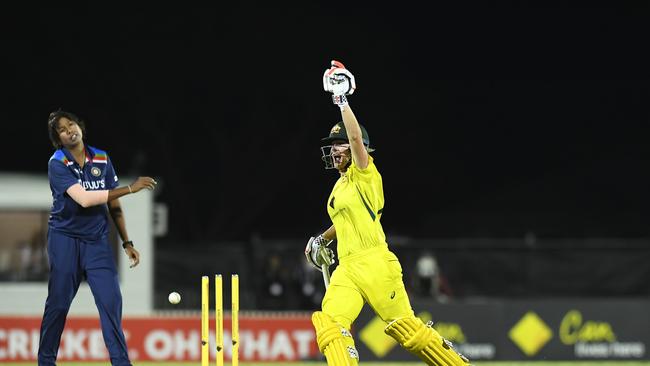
column 338, row 133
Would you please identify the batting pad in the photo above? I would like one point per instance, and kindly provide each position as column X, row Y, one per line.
column 334, row 341
column 424, row 342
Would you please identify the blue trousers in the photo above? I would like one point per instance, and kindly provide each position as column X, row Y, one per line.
column 72, row 259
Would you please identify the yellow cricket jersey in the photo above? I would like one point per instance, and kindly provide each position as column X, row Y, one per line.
column 355, row 207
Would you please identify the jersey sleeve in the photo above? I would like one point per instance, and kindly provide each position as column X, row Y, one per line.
column 364, row 175
column 112, row 181
column 60, row 176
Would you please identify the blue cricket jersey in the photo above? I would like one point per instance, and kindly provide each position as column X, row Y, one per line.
column 67, row 216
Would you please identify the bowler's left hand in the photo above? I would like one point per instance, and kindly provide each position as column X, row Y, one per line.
column 133, row 254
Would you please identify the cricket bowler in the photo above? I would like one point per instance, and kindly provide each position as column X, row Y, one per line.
column 84, row 191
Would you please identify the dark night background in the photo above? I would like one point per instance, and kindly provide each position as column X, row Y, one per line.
column 488, row 121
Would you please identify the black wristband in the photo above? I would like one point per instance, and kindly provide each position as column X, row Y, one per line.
column 128, row 242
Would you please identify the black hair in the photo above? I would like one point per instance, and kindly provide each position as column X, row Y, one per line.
column 53, row 124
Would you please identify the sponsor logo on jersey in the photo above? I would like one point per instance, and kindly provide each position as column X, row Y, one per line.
column 94, row 185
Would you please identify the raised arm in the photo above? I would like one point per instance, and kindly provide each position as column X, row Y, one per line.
column 359, row 152
column 340, row 82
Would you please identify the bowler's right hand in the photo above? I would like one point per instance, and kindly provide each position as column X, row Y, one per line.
column 143, row 182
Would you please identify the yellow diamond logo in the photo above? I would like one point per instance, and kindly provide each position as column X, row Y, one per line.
column 376, row 340
column 530, row 334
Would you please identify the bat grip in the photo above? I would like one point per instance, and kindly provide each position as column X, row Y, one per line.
column 326, row 274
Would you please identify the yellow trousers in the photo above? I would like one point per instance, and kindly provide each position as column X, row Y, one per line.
column 373, row 276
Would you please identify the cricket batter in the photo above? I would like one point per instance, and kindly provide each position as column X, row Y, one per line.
column 83, row 184
column 368, row 271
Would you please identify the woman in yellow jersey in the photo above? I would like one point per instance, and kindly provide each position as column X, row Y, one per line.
column 368, row 272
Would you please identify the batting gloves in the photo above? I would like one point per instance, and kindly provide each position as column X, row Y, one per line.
column 340, row 82
column 317, row 252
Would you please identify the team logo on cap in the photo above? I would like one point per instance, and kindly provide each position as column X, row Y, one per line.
column 96, row 171
column 335, row 129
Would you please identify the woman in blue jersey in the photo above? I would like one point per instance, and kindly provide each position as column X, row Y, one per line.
column 368, row 272
column 85, row 192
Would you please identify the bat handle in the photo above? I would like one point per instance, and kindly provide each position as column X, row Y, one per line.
column 326, row 274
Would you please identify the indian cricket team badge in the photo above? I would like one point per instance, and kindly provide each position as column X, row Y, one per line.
column 95, row 171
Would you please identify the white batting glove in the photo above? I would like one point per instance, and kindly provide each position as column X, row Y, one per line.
column 340, row 82
column 317, row 252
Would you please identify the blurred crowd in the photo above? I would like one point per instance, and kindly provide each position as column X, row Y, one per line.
column 289, row 282
column 275, row 275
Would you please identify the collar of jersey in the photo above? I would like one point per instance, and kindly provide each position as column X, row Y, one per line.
column 90, row 153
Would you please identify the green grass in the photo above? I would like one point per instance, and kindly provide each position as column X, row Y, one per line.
column 511, row 363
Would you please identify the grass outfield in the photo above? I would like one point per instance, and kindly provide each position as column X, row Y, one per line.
column 512, row 363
